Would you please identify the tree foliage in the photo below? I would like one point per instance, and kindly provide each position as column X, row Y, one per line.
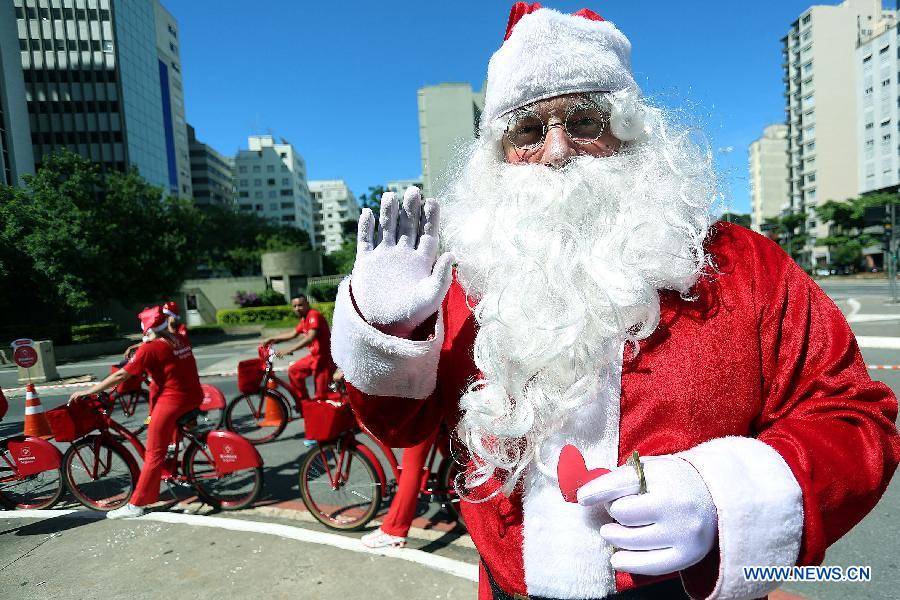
column 787, row 231
column 73, row 236
column 850, row 231
column 740, row 219
column 372, row 198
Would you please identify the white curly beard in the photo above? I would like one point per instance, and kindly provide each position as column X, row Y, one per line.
column 566, row 265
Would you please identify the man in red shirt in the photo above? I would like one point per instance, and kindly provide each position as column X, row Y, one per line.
column 313, row 332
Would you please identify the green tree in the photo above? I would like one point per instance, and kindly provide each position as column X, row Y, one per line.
column 786, row 230
column 74, row 237
column 847, row 236
column 739, row 219
column 372, row 198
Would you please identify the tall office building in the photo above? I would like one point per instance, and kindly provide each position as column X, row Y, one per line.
column 16, row 158
column 270, row 180
column 171, row 89
column 768, row 175
column 91, row 71
column 448, row 118
column 878, row 121
column 333, row 205
column 821, row 107
column 398, row 186
column 212, row 177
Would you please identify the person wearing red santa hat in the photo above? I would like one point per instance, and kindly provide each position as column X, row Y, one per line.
column 595, row 302
column 169, row 360
column 176, row 323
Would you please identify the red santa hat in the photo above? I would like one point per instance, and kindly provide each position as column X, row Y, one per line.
column 153, row 319
column 547, row 53
column 170, row 309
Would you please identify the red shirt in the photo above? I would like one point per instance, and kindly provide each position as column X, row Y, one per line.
column 173, row 370
column 321, row 344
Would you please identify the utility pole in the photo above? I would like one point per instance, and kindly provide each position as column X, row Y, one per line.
column 890, row 249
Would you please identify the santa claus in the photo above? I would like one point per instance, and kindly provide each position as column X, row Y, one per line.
column 595, row 303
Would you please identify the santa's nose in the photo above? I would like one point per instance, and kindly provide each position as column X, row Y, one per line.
column 558, row 148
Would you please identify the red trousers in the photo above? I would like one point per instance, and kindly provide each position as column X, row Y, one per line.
column 160, row 434
column 403, row 506
column 317, row 366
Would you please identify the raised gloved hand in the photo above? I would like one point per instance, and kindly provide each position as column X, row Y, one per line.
column 669, row 528
column 394, row 285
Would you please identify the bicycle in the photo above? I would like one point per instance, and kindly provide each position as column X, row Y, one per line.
column 30, row 474
column 262, row 411
column 221, row 467
column 134, row 402
column 342, row 481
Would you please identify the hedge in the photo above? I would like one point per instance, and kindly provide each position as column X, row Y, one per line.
column 323, row 292
column 94, row 332
column 263, row 314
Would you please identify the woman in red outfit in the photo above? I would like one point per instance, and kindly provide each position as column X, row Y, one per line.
column 168, row 358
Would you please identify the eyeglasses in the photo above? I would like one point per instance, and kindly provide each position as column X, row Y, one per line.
column 584, row 123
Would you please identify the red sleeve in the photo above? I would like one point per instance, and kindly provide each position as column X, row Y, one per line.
column 138, row 363
column 822, row 412
column 312, row 319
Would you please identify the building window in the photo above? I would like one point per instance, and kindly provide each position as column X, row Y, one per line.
column 272, row 193
column 282, row 154
column 810, row 178
column 287, row 206
column 107, row 46
column 259, row 207
column 173, row 48
column 244, row 194
column 806, row 20
column 284, row 168
column 242, row 182
column 285, row 181
column 270, row 181
column 286, row 192
column 273, row 206
column 257, row 182
column 172, row 31
column 810, row 146
column 257, row 194
column 288, row 218
column 175, row 67
column 256, row 168
column 246, row 207
column 242, row 169
column 270, row 168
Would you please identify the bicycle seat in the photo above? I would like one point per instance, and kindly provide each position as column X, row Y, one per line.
column 188, row 419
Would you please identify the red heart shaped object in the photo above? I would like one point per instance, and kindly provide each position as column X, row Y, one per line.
column 572, row 472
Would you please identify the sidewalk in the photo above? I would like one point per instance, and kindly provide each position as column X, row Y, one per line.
column 62, row 554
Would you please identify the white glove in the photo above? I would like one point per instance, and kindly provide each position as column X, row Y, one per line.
column 669, row 528
column 393, row 284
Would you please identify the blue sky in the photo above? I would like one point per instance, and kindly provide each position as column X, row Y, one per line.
column 339, row 79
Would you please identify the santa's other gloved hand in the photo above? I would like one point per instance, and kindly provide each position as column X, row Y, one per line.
column 397, row 284
column 669, row 528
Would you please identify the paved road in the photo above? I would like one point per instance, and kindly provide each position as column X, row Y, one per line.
column 300, row 565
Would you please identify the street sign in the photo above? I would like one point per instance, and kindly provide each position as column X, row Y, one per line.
column 24, row 353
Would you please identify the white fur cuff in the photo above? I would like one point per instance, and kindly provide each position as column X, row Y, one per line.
column 760, row 508
column 380, row 364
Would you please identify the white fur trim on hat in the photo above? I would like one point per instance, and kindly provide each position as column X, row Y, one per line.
column 380, row 364
column 760, row 508
column 549, row 54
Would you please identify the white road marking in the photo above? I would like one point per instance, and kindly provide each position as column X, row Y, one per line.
column 883, row 343
column 854, row 307
column 457, row 568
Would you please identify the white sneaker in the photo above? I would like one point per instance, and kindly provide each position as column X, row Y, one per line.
column 380, row 539
column 126, row 512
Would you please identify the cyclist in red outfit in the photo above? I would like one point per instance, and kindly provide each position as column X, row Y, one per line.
column 313, row 332
column 169, row 360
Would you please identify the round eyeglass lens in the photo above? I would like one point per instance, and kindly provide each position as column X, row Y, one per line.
column 585, row 123
column 525, row 130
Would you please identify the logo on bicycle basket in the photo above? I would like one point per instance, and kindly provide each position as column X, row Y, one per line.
column 25, row 456
column 26, row 451
column 227, row 449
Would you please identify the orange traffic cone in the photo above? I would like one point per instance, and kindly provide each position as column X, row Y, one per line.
column 36, row 423
column 272, row 414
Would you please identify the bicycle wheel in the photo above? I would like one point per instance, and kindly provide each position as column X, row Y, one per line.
column 131, row 409
column 256, row 417
column 100, row 473
column 38, row 491
column 210, row 419
column 446, row 480
column 230, row 491
column 346, row 500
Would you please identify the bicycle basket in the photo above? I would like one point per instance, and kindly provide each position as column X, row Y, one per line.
column 132, row 384
column 72, row 421
column 325, row 421
column 250, row 376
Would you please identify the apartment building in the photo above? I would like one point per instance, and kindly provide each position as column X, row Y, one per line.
column 768, row 175
column 333, row 206
column 270, row 180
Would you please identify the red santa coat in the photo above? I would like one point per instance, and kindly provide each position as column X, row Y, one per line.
column 758, row 383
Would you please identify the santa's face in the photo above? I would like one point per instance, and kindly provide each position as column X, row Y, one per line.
column 565, row 258
column 552, row 132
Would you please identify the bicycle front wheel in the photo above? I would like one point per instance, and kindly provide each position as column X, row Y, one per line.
column 229, row 491
column 38, row 491
column 256, row 417
column 339, row 486
column 100, row 473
